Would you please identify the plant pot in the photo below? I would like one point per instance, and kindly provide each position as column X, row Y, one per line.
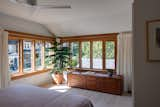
column 58, row 78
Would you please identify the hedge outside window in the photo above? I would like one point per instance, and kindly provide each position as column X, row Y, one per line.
column 86, row 54
column 110, row 55
column 75, row 54
column 97, row 54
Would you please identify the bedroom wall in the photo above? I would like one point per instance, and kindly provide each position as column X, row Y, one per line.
column 146, row 75
column 39, row 79
column 21, row 25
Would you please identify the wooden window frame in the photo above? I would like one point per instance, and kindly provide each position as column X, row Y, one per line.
column 91, row 38
column 26, row 36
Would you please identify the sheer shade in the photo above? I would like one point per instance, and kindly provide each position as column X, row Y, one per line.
column 124, row 59
column 4, row 73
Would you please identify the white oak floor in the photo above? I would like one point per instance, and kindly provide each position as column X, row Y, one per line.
column 98, row 99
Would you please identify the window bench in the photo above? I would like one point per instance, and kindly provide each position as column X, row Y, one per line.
column 96, row 81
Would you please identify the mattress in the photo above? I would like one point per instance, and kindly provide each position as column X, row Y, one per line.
column 32, row 96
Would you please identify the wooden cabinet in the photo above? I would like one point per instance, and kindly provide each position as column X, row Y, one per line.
column 103, row 83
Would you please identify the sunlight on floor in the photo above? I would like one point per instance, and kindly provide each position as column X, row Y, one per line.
column 60, row 88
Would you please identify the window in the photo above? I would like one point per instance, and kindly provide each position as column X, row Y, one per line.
column 39, row 55
column 13, row 55
column 75, row 54
column 110, row 55
column 93, row 52
column 97, row 54
column 27, row 56
column 85, row 54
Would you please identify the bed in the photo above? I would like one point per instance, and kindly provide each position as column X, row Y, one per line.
column 32, row 96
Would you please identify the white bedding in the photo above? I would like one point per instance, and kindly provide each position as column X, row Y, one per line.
column 31, row 96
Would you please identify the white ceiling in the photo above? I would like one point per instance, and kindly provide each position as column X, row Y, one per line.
column 85, row 17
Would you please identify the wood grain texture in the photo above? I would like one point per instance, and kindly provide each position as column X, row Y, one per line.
column 113, row 85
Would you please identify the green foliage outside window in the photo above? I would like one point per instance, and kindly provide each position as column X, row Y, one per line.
column 86, row 49
column 110, row 54
column 97, row 49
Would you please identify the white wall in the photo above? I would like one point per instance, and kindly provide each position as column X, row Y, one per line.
column 21, row 25
column 146, row 75
column 39, row 79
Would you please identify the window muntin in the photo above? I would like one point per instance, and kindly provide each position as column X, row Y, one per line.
column 13, row 56
column 39, row 55
column 97, row 54
column 110, row 55
column 86, row 54
column 27, row 56
column 75, row 54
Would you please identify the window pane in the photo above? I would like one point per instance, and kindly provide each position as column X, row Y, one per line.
column 97, row 54
column 110, row 55
column 85, row 54
column 65, row 44
column 38, row 48
column 27, row 55
column 75, row 54
column 13, row 56
column 47, row 53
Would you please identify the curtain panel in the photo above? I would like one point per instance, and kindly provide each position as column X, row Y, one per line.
column 4, row 73
column 125, row 59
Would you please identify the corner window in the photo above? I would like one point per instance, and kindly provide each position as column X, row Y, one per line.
column 26, row 54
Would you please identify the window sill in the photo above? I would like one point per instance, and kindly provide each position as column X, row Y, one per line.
column 24, row 75
column 88, row 69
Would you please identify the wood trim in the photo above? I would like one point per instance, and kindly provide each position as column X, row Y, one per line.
column 70, row 57
column 104, row 54
column 89, row 69
column 43, row 54
column 20, row 35
column 115, row 53
column 80, row 54
column 13, row 35
column 33, row 56
column 24, row 75
column 90, row 38
column 91, row 54
column 21, row 56
column 111, row 36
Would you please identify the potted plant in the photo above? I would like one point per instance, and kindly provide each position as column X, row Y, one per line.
column 60, row 61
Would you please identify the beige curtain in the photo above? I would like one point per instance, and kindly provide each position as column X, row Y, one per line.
column 4, row 73
column 124, row 59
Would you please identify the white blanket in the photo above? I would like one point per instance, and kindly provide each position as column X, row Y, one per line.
column 31, row 96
